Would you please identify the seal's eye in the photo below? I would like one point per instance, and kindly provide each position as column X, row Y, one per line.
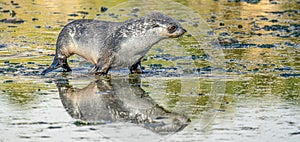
column 155, row 25
column 172, row 28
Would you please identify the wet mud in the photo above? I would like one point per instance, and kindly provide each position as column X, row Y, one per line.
column 185, row 93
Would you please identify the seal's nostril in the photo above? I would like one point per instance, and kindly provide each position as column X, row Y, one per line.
column 184, row 30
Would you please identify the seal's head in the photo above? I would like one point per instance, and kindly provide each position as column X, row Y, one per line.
column 152, row 25
column 164, row 25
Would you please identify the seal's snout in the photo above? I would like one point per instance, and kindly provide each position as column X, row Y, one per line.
column 181, row 32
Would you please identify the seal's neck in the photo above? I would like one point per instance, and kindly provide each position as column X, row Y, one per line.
column 141, row 44
column 136, row 27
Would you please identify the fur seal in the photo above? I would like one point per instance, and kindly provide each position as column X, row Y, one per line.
column 113, row 45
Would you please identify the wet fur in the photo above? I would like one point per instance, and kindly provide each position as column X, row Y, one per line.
column 112, row 45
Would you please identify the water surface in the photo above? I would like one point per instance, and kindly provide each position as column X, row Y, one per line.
column 245, row 87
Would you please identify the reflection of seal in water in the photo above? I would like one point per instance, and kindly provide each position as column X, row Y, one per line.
column 119, row 100
column 113, row 45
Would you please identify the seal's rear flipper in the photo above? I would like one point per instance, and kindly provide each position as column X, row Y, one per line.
column 56, row 64
column 47, row 70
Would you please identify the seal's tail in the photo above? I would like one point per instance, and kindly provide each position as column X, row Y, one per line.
column 57, row 63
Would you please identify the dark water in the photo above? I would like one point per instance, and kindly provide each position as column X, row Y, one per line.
column 233, row 77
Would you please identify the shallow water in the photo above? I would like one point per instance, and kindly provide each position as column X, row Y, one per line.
column 245, row 87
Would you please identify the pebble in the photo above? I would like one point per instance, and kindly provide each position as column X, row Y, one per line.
column 2, row 45
column 12, row 13
column 30, row 63
column 135, row 10
column 8, row 81
column 155, row 66
column 12, row 20
column 5, row 11
column 266, row 46
column 289, row 75
column 73, row 15
column 274, row 21
column 83, row 12
column 12, row 26
column 264, row 19
column 195, row 25
column 35, row 19
column 54, row 127
column 103, row 9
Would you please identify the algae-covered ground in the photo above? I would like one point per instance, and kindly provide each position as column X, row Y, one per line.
column 234, row 76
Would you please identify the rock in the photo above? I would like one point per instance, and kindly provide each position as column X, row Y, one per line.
column 12, row 20
column 135, row 10
column 8, row 81
column 2, row 45
column 83, row 12
column 103, row 9
column 12, row 13
column 73, row 15
column 35, row 19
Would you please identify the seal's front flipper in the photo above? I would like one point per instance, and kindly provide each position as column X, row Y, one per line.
column 56, row 64
column 136, row 68
column 65, row 66
column 104, row 65
column 97, row 70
